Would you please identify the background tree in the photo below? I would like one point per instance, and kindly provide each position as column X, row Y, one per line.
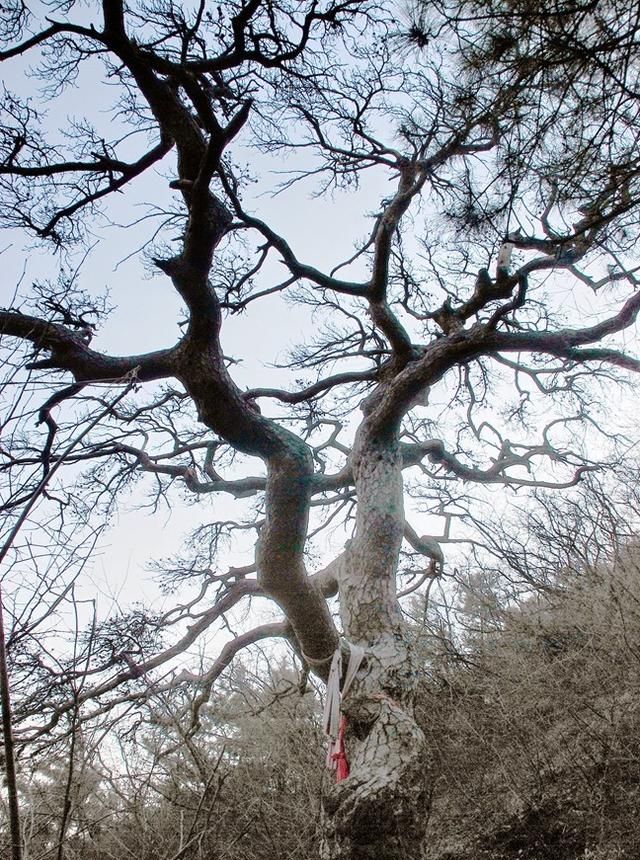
column 467, row 363
column 248, row 784
column 529, row 699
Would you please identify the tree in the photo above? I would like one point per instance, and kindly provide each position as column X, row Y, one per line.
column 529, row 703
column 489, row 295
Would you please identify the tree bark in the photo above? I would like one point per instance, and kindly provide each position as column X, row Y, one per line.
column 379, row 811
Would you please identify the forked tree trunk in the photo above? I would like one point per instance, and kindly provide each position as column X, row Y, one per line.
column 379, row 811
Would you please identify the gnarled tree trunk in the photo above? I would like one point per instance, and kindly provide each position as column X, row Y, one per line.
column 379, row 810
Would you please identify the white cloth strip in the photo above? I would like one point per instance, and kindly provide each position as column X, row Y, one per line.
column 331, row 716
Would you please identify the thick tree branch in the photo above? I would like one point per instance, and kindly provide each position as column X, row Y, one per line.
column 69, row 351
column 566, row 342
column 129, row 172
column 205, row 681
column 312, row 391
column 300, row 270
column 392, row 401
column 239, row 488
column 55, row 29
column 425, row 545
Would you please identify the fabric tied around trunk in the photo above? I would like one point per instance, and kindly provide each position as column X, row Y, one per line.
column 334, row 723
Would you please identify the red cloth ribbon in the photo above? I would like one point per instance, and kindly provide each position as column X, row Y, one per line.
column 339, row 758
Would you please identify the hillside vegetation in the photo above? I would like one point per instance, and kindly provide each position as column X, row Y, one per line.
column 535, row 725
column 531, row 709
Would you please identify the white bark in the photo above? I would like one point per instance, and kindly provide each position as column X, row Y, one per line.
column 379, row 810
